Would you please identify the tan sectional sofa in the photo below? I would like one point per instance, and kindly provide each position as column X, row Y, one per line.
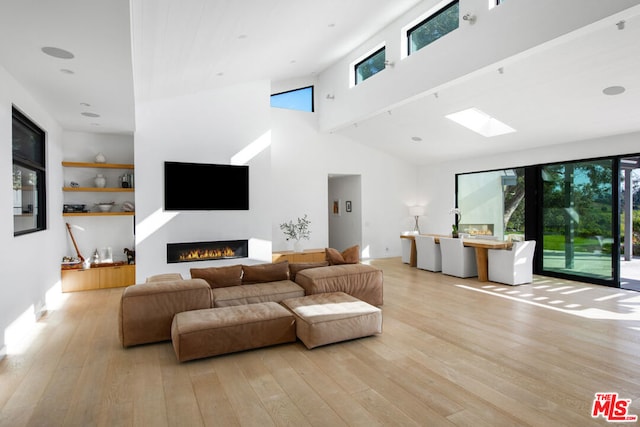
column 147, row 309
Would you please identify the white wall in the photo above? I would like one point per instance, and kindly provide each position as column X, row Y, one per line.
column 436, row 183
column 30, row 263
column 207, row 127
column 303, row 158
column 345, row 229
column 91, row 233
column 521, row 25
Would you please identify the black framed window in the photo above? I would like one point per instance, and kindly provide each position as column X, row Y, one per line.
column 29, row 173
column 434, row 27
column 297, row 99
column 371, row 65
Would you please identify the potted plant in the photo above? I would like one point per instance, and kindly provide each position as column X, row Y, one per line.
column 457, row 216
column 296, row 231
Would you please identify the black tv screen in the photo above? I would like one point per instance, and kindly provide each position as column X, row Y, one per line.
column 203, row 186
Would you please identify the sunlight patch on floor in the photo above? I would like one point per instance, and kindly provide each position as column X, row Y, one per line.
column 19, row 335
column 587, row 312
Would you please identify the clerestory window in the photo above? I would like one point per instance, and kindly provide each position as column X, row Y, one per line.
column 434, row 27
column 370, row 65
column 297, row 99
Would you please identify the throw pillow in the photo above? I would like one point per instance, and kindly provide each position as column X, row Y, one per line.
column 219, row 277
column 295, row 267
column 265, row 273
column 351, row 255
column 164, row 277
column 348, row 256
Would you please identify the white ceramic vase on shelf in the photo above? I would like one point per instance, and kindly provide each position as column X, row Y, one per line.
column 100, row 158
column 100, row 181
column 297, row 246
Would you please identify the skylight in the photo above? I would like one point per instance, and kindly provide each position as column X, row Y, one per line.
column 480, row 122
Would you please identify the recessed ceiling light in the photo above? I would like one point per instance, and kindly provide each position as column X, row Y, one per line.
column 66, row 71
column 480, row 122
column 56, row 52
column 85, row 104
column 416, row 138
column 242, row 36
column 88, row 114
column 613, row 90
column 331, row 25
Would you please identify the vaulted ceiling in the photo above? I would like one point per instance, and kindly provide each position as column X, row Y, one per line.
column 550, row 95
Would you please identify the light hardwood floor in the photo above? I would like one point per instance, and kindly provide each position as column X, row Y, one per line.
column 452, row 352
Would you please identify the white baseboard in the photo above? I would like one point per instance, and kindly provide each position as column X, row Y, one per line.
column 3, row 352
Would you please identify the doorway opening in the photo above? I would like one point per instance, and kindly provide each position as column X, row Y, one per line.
column 345, row 211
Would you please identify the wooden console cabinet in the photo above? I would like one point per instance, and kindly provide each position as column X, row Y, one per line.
column 309, row 255
column 98, row 278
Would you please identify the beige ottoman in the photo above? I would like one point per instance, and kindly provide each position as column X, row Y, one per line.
column 210, row 332
column 333, row 317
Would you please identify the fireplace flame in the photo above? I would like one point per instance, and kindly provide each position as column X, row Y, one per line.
column 200, row 254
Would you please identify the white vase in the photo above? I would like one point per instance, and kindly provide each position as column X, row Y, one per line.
column 100, row 181
column 297, row 246
column 100, row 158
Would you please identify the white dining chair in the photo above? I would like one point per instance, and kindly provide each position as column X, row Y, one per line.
column 512, row 266
column 429, row 256
column 406, row 250
column 457, row 260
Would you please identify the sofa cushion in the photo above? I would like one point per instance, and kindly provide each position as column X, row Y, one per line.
column 258, row 292
column 262, row 273
column 219, row 277
column 348, row 256
column 362, row 281
column 164, row 277
column 294, row 267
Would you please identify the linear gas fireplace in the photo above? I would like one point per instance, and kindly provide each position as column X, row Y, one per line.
column 207, row 251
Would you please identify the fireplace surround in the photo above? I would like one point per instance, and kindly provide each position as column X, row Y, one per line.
column 207, row 251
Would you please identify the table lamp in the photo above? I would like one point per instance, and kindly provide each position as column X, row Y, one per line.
column 416, row 212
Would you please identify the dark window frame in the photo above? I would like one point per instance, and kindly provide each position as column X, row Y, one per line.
column 426, row 21
column 37, row 163
column 359, row 63
column 534, row 219
column 313, row 108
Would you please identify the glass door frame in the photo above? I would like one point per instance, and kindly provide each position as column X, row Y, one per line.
column 534, row 225
column 533, row 216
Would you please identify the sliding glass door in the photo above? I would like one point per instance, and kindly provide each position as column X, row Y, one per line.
column 577, row 226
column 570, row 209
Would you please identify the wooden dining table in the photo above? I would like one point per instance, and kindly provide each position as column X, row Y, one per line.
column 480, row 245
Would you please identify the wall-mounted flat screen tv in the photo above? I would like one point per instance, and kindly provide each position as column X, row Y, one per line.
column 205, row 187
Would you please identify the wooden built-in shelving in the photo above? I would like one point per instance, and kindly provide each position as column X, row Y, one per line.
column 98, row 165
column 98, row 213
column 99, row 189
